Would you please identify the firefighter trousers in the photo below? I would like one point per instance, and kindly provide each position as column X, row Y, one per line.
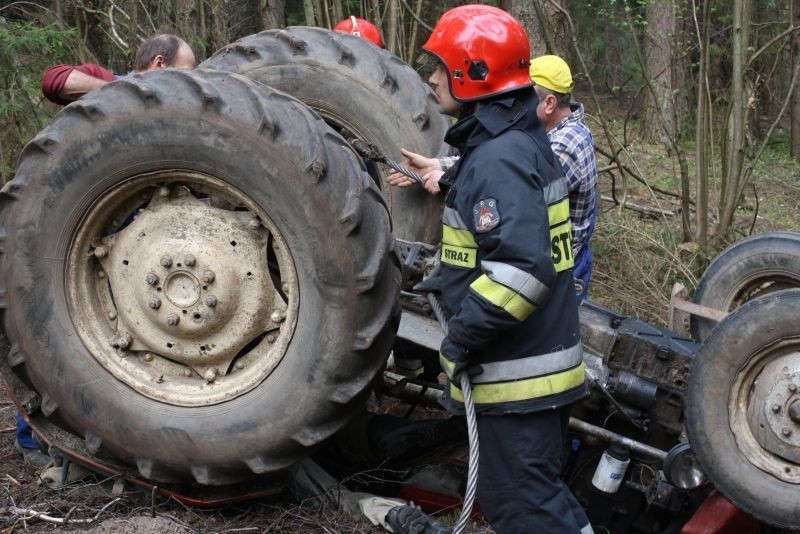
column 519, row 484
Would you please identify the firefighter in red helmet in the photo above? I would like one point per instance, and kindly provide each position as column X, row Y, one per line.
column 505, row 281
column 362, row 28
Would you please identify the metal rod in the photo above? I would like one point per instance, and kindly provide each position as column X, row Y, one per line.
column 613, row 437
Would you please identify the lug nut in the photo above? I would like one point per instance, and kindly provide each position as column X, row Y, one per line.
column 100, row 252
column 101, row 275
column 285, row 287
column 163, row 192
column 776, row 408
column 148, row 357
column 792, row 387
column 189, row 260
column 240, row 365
column 187, row 372
column 122, row 341
column 208, row 276
column 165, row 261
column 210, row 375
column 277, row 316
column 794, row 411
column 112, row 315
column 254, row 223
column 154, row 303
column 210, row 301
column 151, row 279
column 786, row 432
column 271, row 338
column 173, row 319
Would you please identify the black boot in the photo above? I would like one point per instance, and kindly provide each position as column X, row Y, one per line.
column 410, row 519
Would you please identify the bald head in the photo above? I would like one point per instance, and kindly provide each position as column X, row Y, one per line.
column 164, row 50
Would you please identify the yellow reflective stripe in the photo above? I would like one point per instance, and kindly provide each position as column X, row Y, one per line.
column 520, row 390
column 521, row 282
column 558, row 213
column 561, row 235
column 499, row 295
column 459, row 256
column 459, row 238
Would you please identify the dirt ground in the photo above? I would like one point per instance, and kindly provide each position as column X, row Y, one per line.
column 91, row 505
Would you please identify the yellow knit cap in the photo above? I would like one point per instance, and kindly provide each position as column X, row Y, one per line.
column 552, row 72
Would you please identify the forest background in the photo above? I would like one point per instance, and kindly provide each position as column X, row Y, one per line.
column 694, row 105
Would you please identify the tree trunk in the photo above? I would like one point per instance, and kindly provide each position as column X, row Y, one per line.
column 183, row 18
column 794, row 114
column 391, row 39
column 525, row 11
column 703, row 127
column 219, row 27
column 733, row 155
column 554, row 27
column 272, row 14
column 412, row 42
column 308, row 10
column 337, row 13
column 659, row 53
column 684, row 93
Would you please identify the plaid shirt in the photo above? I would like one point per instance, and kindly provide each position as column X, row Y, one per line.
column 573, row 145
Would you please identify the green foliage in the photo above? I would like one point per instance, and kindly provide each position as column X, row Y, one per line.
column 26, row 51
column 605, row 37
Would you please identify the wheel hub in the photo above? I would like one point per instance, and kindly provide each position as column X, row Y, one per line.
column 775, row 403
column 203, row 314
column 182, row 289
column 191, row 301
column 760, row 405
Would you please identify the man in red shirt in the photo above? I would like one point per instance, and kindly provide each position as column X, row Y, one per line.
column 63, row 84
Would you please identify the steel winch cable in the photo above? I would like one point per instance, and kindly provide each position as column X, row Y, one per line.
column 472, row 430
column 370, row 152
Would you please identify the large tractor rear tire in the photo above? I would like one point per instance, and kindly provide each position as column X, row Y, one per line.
column 361, row 90
column 199, row 276
column 743, row 408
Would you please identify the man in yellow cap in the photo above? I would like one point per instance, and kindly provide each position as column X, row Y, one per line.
column 571, row 142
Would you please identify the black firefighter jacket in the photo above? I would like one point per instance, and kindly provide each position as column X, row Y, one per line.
column 506, row 273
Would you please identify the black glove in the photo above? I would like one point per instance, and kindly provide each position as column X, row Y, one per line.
column 458, row 360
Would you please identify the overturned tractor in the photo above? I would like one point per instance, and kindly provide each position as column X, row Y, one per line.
column 202, row 284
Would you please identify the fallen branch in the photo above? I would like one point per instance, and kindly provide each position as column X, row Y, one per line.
column 641, row 209
column 608, row 168
column 28, row 513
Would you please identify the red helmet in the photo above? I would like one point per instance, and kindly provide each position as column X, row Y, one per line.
column 362, row 28
column 485, row 50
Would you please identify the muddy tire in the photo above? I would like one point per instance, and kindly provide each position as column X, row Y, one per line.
column 748, row 269
column 360, row 89
column 743, row 407
column 199, row 276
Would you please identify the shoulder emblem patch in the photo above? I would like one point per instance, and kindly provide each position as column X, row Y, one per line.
column 486, row 215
